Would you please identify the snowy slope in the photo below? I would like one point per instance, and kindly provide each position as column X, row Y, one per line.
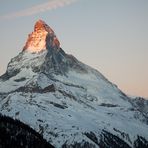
column 67, row 101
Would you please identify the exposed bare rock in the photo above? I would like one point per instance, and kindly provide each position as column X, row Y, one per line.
column 42, row 37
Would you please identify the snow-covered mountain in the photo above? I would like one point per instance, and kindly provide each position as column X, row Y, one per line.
column 68, row 102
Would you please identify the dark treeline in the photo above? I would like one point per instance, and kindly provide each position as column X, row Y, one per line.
column 15, row 134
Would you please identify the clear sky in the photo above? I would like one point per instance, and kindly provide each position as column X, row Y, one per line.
column 109, row 35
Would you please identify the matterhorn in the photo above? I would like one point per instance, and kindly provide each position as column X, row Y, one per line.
column 66, row 101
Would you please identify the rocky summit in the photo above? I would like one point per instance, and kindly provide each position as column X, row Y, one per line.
column 42, row 38
column 71, row 104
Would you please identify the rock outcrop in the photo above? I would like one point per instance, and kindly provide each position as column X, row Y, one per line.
column 42, row 38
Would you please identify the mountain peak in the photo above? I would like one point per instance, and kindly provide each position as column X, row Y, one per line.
column 42, row 38
column 41, row 25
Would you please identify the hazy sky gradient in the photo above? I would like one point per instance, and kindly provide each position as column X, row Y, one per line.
column 110, row 35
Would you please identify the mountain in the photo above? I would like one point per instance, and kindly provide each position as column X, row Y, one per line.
column 68, row 102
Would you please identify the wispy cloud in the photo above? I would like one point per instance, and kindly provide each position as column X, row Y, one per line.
column 52, row 4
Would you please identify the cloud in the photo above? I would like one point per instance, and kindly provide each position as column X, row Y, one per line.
column 52, row 4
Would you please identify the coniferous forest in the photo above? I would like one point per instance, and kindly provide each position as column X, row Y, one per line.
column 15, row 134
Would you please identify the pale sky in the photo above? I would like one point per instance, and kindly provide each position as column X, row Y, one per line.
column 109, row 35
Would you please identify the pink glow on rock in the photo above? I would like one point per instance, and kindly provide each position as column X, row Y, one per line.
column 42, row 36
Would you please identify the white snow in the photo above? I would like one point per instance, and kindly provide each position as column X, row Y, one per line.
column 81, row 95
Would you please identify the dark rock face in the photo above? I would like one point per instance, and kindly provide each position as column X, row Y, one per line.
column 20, row 79
column 15, row 134
column 59, row 63
column 141, row 104
column 59, row 105
column 107, row 140
column 141, row 143
column 36, row 89
column 108, row 105
column 7, row 75
column 92, row 137
column 79, row 145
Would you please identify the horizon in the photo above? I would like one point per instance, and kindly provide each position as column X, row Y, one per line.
column 111, row 37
